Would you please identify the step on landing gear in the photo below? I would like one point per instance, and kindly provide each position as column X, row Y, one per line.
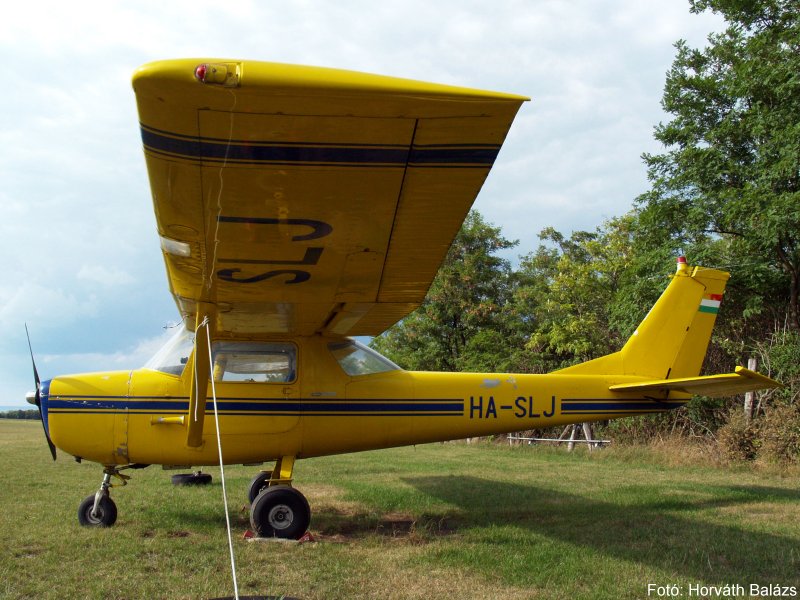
column 277, row 509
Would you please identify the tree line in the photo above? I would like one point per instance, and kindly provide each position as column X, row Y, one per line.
column 20, row 414
column 724, row 192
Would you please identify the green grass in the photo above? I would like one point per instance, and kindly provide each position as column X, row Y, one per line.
column 435, row 521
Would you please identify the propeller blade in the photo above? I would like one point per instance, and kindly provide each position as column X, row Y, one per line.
column 38, row 398
column 33, row 362
column 50, row 444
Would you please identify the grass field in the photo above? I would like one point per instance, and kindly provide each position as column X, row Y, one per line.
column 435, row 521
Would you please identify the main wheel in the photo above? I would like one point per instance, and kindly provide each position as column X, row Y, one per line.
column 258, row 483
column 280, row 511
column 105, row 516
column 191, row 479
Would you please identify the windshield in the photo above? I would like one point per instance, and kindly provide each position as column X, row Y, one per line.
column 357, row 359
column 173, row 356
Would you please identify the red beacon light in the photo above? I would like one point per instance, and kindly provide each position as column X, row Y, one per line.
column 200, row 72
column 224, row 74
column 682, row 264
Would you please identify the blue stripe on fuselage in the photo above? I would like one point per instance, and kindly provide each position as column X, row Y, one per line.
column 589, row 407
column 279, row 406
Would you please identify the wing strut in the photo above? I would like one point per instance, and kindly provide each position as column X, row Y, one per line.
column 202, row 372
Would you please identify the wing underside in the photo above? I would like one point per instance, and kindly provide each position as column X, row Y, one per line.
column 301, row 200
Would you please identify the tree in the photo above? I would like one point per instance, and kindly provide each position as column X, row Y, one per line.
column 576, row 291
column 731, row 169
column 464, row 323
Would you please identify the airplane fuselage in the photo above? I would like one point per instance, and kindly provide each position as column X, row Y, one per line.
column 141, row 416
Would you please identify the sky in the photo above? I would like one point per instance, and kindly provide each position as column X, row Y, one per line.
column 79, row 254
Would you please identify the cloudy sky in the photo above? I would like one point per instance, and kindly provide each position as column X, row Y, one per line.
column 80, row 258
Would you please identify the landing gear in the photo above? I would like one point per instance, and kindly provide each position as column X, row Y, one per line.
column 99, row 510
column 104, row 515
column 280, row 511
column 257, row 484
column 197, row 478
column 277, row 509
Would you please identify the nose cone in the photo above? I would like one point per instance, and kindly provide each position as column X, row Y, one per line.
column 30, row 398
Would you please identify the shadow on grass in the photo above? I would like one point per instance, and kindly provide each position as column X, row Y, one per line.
column 342, row 525
column 648, row 529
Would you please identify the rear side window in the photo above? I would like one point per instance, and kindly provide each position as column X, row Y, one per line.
column 254, row 362
column 357, row 359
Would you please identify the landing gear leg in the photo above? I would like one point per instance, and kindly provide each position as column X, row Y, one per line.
column 99, row 510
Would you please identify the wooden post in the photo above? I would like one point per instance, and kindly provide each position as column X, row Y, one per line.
column 752, row 364
column 587, row 431
column 573, row 436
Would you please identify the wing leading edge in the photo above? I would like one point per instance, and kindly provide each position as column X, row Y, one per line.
column 301, row 200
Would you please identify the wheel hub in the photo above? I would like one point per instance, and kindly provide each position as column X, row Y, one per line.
column 280, row 517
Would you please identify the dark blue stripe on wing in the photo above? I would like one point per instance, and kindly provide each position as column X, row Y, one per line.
column 318, row 154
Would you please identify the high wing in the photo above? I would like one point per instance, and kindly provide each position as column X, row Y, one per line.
column 299, row 199
column 714, row 386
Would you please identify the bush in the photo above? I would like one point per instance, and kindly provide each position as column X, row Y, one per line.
column 739, row 438
column 780, row 435
column 772, row 439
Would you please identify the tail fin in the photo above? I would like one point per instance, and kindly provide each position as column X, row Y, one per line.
column 672, row 340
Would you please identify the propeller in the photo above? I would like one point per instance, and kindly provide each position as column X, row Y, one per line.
column 37, row 398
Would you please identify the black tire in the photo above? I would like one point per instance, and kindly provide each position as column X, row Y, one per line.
column 258, row 483
column 280, row 511
column 191, row 479
column 106, row 512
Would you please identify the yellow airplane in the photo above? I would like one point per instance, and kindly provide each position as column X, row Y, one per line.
column 300, row 206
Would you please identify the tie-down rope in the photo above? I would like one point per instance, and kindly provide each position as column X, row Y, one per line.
column 219, row 450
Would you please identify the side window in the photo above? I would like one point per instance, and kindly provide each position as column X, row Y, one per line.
column 357, row 359
column 254, row 362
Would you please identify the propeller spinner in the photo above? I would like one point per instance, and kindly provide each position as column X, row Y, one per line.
column 36, row 397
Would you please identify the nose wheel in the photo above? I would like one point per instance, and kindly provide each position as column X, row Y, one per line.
column 104, row 514
column 99, row 510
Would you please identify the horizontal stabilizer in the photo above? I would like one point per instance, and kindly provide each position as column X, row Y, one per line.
column 713, row 386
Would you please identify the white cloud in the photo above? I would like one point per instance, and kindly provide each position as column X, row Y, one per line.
column 104, row 276
column 46, row 306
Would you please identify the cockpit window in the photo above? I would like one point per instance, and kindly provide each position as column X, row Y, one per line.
column 357, row 359
column 173, row 356
column 254, row 362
